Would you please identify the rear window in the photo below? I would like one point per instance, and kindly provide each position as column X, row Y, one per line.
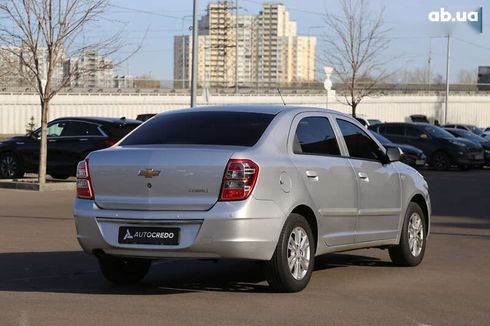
column 119, row 131
column 202, row 128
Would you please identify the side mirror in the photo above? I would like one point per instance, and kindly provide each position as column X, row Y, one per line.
column 393, row 154
column 424, row 136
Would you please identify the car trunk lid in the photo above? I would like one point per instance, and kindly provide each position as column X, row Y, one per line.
column 156, row 177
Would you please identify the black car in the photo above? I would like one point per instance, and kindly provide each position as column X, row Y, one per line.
column 441, row 147
column 471, row 128
column 485, row 143
column 411, row 155
column 69, row 141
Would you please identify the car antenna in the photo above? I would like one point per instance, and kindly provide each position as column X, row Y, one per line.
column 282, row 99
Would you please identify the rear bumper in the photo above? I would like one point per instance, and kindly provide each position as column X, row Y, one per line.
column 245, row 230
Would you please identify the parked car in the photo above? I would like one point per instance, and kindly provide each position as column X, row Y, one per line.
column 69, row 141
column 145, row 116
column 441, row 147
column 367, row 122
column 274, row 184
column 419, row 118
column 471, row 128
column 410, row 155
column 460, row 133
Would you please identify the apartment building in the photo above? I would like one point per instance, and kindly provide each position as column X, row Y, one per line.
column 90, row 70
column 270, row 53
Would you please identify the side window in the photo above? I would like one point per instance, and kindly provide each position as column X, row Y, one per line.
column 55, row 129
column 413, row 132
column 359, row 144
column 314, row 135
column 395, row 130
column 81, row 129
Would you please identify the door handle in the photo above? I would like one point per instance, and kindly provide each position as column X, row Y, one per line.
column 312, row 175
column 363, row 176
column 83, row 139
column 52, row 140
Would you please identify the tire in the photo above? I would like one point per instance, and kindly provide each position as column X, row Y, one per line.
column 10, row 166
column 403, row 254
column 119, row 270
column 60, row 176
column 280, row 276
column 440, row 161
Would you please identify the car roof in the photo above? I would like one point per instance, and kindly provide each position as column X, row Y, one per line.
column 270, row 109
column 103, row 120
column 421, row 124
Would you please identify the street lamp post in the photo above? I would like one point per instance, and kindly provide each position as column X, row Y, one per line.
column 194, row 53
column 309, row 50
column 184, row 54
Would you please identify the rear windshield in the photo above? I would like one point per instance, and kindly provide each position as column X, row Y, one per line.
column 202, row 128
column 119, row 131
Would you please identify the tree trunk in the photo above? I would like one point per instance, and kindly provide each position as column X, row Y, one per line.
column 43, row 153
column 354, row 106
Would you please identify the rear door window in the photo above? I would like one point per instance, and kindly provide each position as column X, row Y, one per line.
column 394, row 130
column 202, row 128
column 119, row 131
column 358, row 142
column 413, row 132
column 81, row 129
column 314, row 135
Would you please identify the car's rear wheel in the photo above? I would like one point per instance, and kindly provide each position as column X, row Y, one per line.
column 291, row 266
column 120, row 270
column 440, row 161
column 10, row 166
column 411, row 249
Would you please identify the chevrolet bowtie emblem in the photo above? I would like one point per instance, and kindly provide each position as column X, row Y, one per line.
column 148, row 173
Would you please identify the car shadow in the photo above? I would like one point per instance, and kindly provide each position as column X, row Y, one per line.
column 77, row 272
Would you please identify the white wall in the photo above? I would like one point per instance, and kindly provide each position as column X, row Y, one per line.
column 16, row 109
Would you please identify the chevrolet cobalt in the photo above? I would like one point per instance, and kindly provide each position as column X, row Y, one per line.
column 274, row 184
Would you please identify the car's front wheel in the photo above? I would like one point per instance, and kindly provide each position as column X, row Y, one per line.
column 291, row 266
column 119, row 270
column 440, row 161
column 10, row 166
column 411, row 249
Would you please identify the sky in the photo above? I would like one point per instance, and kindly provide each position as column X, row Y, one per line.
column 412, row 35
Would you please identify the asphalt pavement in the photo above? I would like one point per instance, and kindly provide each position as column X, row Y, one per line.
column 46, row 280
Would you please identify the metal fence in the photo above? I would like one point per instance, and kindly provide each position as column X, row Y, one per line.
column 16, row 109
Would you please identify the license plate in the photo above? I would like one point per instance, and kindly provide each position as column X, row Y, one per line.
column 148, row 235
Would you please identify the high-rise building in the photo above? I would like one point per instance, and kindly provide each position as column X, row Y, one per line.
column 269, row 51
column 90, row 70
column 16, row 63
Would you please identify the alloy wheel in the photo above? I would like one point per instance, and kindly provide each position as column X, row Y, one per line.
column 415, row 234
column 298, row 253
column 8, row 166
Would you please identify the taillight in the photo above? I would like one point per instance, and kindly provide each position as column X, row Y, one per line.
column 110, row 142
column 84, row 185
column 239, row 180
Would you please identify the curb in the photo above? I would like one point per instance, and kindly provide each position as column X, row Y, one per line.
column 51, row 186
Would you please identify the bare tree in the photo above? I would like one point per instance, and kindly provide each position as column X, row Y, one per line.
column 35, row 38
column 355, row 45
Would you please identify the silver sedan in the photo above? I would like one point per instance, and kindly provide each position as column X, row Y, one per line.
column 275, row 184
